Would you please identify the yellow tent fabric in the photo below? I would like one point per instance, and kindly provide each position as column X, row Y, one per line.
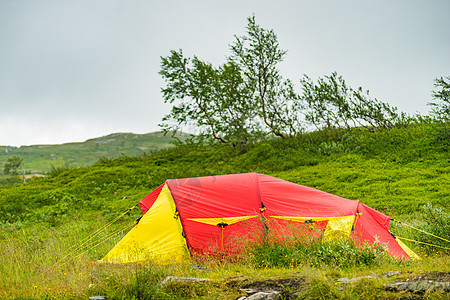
column 157, row 236
column 405, row 248
column 336, row 226
column 227, row 220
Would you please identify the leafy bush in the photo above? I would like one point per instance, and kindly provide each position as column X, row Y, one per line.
column 342, row 253
column 440, row 136
column 437, row 222
column 58, row 170
column 432, row 219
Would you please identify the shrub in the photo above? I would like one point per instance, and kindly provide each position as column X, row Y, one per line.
column 437, row 222
column 342, row 253
column 58, row 170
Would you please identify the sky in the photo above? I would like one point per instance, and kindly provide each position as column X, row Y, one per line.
column 80, row 69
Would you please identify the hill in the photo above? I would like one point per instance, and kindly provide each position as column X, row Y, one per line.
column 41, row 158
column 403, row 172
column 395, row 171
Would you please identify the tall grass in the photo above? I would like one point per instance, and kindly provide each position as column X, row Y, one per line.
column 34, row 262
column 33, row 266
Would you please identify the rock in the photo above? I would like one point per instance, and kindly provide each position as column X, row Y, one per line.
column 264, row 296
column 347, row 280
column 392, row 273
column 272, row 288
column 254, row 294
column 418, row 286
column 249, row 291
column 183, row 279
column 422, row 283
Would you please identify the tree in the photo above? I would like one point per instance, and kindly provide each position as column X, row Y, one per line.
column 208, row 98
column 330, row 103
column 242, row 100
column 441, row 110
column 258, row 55
column 327, row 102
column 12, row 165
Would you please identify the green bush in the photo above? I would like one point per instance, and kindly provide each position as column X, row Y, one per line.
column 436, row 220
column 342, row 253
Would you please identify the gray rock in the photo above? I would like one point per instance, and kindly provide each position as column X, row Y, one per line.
column 183, row 279
column 392, row 273
column 249, row 291
column 264, row 296
column 347, row 280
column 418, row 286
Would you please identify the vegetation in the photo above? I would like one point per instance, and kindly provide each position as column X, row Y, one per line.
column 240, row 101
column 441, row 109
column 31, row 268
column 393, row 171
column 397, row 171
column 299, row 252
column 332, row 104
column 42, row 158
column 247, row 99
column 12, row 165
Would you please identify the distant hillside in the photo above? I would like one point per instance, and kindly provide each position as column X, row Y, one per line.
column 40, row 158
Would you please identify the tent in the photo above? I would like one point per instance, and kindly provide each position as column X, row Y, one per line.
column 221, row 213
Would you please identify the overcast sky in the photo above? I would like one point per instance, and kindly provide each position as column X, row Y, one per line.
column 79, row 69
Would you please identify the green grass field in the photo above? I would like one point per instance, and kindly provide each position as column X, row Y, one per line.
column 403, row 172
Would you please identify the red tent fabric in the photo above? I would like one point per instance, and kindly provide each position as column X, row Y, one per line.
column 218, row 211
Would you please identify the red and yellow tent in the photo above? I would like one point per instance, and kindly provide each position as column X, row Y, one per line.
column 221, row 213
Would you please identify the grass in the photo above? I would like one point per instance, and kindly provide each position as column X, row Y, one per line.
column 397, row 172
column 379, row 169
column 30, row 268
